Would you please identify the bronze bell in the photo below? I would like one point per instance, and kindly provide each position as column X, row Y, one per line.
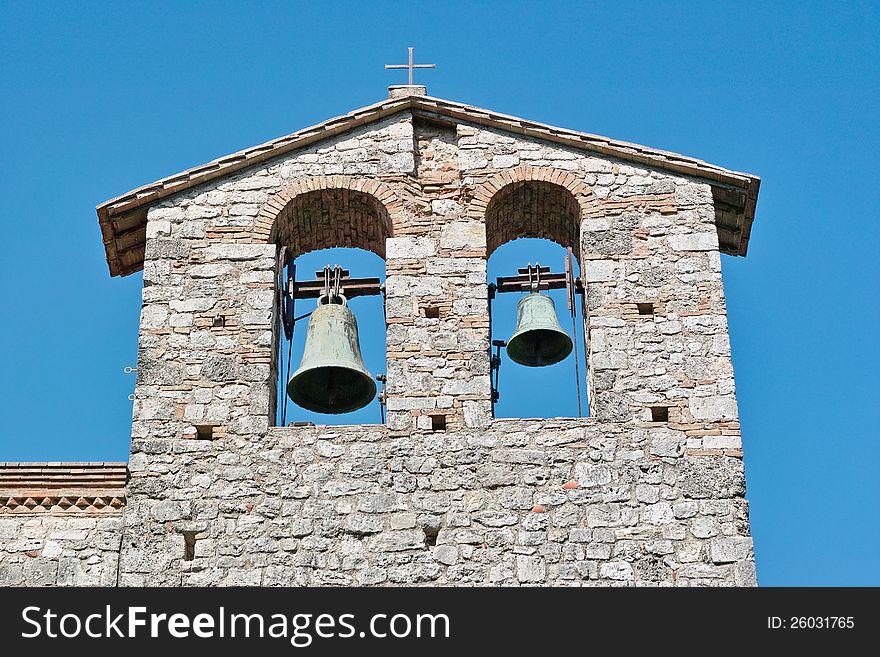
column 331, row 377
column 538, row 339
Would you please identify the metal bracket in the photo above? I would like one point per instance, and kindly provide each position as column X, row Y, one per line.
column 335, row 280
column 495, row 367
column 570, row 287
column 130, row 370
column 286, row 301
column 523, row 282
column 382, row 396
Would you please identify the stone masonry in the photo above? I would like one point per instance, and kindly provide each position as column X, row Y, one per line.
column 649, row 490
column 60, row 523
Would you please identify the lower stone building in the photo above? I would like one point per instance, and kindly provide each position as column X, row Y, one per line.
column 647, row 490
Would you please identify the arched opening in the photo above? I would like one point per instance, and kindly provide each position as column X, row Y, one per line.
column 551, row 390
column 333, row 227
column 369, row 312
column 532, row 222
column 533, row 208
column 337, row 217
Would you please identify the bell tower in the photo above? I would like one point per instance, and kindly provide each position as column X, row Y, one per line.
column 647, row 488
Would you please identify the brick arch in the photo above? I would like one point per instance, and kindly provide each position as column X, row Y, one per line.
column 328, row 211
column 540, row 202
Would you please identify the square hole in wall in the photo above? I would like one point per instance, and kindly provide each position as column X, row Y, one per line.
column 204, row 432
column 659, row 414
column 431, row 312
column 219, row 321
column 646, row 308
column 438, row 423
column 431, row 532
column 189, row 546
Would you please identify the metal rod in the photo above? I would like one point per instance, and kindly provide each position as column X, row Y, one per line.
column 382, row 378
column 577, row 369
column 284, row 382
column 491, row 295
column 496, row 393
column 291, row 280
column 571, row 284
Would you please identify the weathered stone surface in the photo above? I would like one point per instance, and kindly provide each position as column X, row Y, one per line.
column 530, row 569
column 694, row 242
column 61, row 549
column 716, row 477
column 410, row 247
column 616, row 570
column 730, row 549
column 713, row 408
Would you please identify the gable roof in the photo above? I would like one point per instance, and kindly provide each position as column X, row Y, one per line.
column 123, row 219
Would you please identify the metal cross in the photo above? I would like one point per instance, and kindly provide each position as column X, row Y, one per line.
column 410, row 66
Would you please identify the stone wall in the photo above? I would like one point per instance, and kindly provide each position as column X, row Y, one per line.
column 558, row 502
column 648, row 490
column 60, row 524
column 59, row 550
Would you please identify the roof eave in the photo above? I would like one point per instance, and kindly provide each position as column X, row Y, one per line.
column 140, row 199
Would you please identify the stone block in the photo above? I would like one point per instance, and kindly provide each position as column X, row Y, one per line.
column 398, row 540
column 530, row 569
column 410, row 247
column 589, row 475
column 694, row 242
column 713, row 408
column 616, row 570
column 728, row 549
column 467, row 235
column 711, row 477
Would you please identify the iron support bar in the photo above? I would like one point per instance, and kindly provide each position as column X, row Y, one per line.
column 522, row 283
column 352, row 287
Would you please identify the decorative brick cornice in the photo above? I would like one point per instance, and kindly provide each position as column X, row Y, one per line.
column 92, row 487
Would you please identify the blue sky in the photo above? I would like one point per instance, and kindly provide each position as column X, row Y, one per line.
column 98, row 98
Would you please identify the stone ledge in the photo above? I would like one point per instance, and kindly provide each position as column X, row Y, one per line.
column 56, row 474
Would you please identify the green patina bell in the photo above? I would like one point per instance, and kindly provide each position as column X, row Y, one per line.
column 331, row 377
column 538, row 339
